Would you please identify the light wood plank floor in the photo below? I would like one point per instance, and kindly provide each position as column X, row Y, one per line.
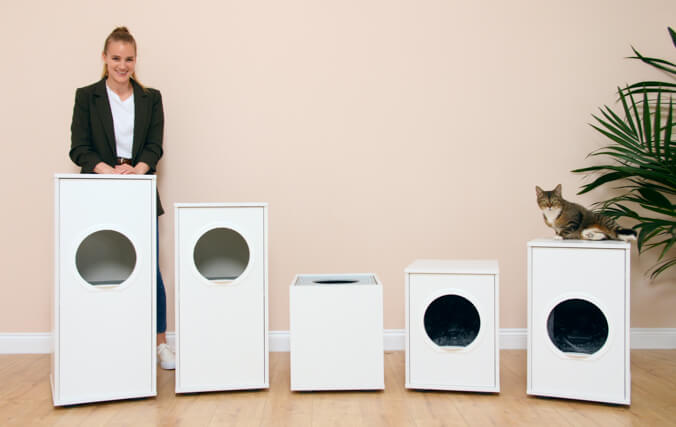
column 25, row 399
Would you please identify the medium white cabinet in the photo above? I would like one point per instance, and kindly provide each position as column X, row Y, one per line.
column 221, row 296
column 452, row 317
column 578, row 320
column 336, row 328
column 104, row 288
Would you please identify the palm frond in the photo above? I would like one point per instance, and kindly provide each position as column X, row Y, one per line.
column 650, row 87
column 662, row 267
column 660, row 64
column 640, row 160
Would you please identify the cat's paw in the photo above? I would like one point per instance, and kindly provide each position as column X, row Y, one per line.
column 557, row 237
column 592, row 234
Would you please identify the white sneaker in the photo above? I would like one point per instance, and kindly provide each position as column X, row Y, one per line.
column 166, row 356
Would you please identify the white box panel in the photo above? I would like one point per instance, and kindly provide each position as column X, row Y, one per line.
column 451, row 325
column 336, row 328
column 105, row 285
column 578, row 320
column 221, row 297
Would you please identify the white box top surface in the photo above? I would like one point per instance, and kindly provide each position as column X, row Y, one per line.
column 589, row 244
column 454, row 266
column 222, row 205
column 102, row 176
column 336, row 279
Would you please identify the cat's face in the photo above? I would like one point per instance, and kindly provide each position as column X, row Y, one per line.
column 550, row 202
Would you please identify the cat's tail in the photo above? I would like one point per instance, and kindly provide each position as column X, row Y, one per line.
column 625, row 234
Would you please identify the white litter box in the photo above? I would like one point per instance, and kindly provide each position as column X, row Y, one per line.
column 336, row 327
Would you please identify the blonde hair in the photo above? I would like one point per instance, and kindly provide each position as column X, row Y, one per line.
column 120, row 34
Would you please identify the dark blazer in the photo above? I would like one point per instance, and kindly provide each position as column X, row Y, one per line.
column 92, row 135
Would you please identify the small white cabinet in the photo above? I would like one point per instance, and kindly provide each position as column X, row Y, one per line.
column 452, row 314
column 221, row 296
column 578, row 320
column 336, row 328
column 104, row 288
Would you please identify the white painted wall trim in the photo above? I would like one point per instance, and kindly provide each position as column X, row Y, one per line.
column 394, row 340
column 653, row 338
column 25, row 343
column 279, row 341
column 513, row 338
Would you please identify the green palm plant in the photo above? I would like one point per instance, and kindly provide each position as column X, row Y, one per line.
column 642, row 161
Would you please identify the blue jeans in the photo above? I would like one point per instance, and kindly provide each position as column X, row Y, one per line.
column 161, row 295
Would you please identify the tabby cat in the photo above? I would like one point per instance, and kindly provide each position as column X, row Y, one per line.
column 572, row 221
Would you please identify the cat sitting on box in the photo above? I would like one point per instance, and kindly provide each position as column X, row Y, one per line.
column 572, row 221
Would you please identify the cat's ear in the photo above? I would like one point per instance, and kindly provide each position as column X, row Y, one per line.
column 538, row 191
column 557, row 190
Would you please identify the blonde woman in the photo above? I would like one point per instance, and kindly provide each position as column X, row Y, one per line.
column 117, row 128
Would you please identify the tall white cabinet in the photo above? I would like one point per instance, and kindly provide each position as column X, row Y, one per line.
column 578, row 320
column 221, row 296
column 104, row 288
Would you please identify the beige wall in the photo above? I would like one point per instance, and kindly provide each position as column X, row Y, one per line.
column 378, row 131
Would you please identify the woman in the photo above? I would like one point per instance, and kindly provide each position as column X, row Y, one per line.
column 117, row 129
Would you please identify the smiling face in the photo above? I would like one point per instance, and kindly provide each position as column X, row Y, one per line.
column 120, row 59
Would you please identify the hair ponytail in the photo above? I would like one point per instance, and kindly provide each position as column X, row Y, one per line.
column 120, row 34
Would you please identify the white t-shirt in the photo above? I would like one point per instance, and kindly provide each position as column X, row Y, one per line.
column 123, row 122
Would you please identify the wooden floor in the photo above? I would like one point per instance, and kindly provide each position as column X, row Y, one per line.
column 25, row 399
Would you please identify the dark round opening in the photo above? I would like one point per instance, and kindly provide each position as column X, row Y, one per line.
column 105, row 258
column 221, row 255
column 577, row 326
column 452, row 321
column 334, row 282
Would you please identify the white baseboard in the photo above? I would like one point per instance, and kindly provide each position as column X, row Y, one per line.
column 394, row 340
column 513, row 338
column 279, row 341
column 653, row 338
column 25, row 343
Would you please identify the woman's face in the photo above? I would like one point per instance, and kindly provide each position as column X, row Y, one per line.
column 120, row 58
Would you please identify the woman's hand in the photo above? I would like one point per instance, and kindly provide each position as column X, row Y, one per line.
column 140, row 169
column 103, row 168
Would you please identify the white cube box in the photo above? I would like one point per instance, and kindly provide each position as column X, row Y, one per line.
column 578, row 320
column 104, row 288
column 336, row 328
column 452, row 317
column 221, row 296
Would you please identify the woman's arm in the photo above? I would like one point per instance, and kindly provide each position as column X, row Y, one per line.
column 152, row 149
column 81, row 150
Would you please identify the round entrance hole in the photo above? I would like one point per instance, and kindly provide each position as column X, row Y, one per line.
column 577, row 326
column 221, row 255
column 452, row 321
column 105, row 258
